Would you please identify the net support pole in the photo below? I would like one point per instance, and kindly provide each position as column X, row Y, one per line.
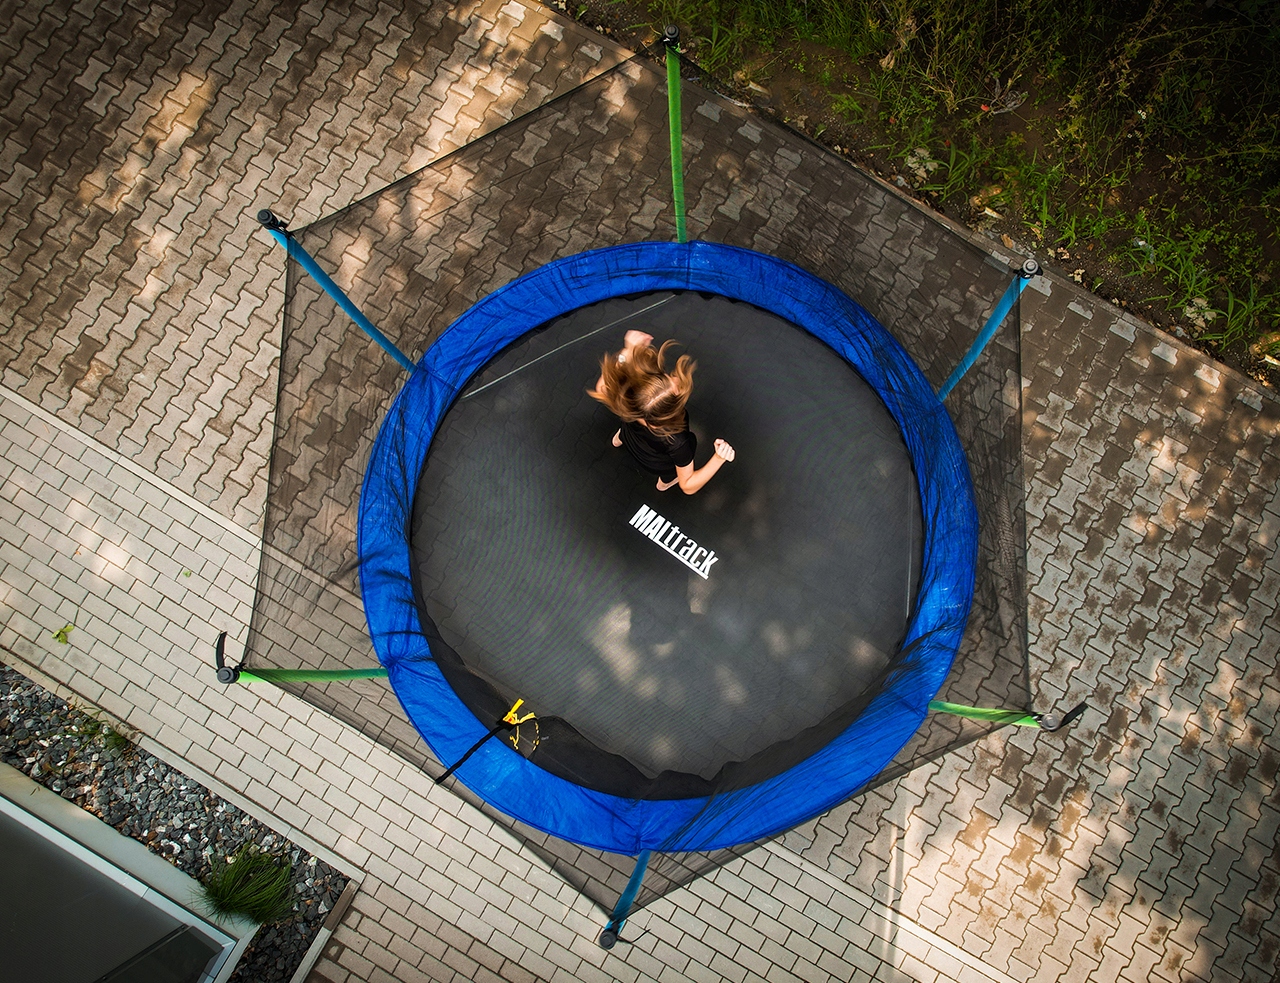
column 670, row 38
column 281, row 234
column 609, row 936
column 238, row 674
column 1019, row 718
column 1029, row 269
column 308, row 675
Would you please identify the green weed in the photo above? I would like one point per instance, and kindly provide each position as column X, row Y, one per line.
column 721, row 48
column 117, row 741
column 851, row 106
column 905, row 105
column 1178, row 260
column 1244, row 315
column 1035, row 187
column 1087, row 222
column 963, row 170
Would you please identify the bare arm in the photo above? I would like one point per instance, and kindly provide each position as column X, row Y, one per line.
column 635, row 339
column 691, row 481
column 630, row 342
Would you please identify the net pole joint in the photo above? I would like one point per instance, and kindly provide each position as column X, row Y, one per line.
column 272, row 222
column 1054, row 721
column 279, row 230
column 609, row 936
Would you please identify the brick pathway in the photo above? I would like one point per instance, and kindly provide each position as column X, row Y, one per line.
column 143, row 572
column 139, row 346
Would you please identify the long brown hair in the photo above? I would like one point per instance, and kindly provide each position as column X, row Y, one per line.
column 640, row 388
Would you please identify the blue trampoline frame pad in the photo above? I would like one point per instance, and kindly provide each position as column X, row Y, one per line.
column 497, row 772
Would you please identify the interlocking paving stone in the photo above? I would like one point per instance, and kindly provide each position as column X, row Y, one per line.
column 141, row 305
column 138, row 141
column 1153, row 560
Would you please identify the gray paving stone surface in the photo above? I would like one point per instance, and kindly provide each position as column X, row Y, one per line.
column 1142, row 843
column 142, row 307
column 140, row 299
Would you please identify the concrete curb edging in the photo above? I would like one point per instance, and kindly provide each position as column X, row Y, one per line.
column 314, row 951
column 119, row 853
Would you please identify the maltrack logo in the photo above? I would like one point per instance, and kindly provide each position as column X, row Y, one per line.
column 697, row 558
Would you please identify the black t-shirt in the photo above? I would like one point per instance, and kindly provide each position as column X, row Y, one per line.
column 660, row 455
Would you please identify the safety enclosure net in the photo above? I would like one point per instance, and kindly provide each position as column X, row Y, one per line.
column 585, row 171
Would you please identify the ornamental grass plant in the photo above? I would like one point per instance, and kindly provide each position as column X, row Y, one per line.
column 249, row 883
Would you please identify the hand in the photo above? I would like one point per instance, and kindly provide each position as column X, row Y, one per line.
column 636, row 339
column 724, row 449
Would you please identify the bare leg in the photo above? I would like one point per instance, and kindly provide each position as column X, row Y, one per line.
column 664, row 485
column 617, row 439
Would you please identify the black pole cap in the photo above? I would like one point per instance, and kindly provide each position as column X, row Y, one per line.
column 1052, row 721
column 270, row 220
column 608, row 938
column 670, row 35
column 226, row 674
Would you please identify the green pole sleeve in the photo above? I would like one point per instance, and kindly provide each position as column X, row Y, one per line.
column 1019, row 718
column 308, row 675
column 677, row 153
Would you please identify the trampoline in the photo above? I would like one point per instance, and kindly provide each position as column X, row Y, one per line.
column 706, row 670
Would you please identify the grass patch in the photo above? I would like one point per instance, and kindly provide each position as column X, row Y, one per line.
column 1102, row 122
column 249, row 883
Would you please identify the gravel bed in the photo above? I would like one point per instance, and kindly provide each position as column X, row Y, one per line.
column 69, row 752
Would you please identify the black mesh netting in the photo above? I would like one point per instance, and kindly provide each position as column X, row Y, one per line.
column 591, row 169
